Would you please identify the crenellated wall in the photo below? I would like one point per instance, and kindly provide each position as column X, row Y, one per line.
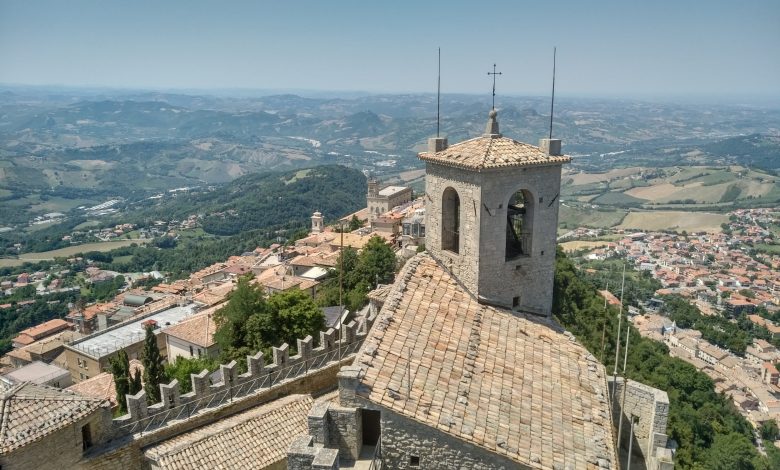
column 176, row 406
column 311, row 370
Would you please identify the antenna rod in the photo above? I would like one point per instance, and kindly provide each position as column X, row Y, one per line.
column 620, row 319
column 438, row 96
column 552, row 101
column 341, row 283
column 604, row 327
column 625, row 386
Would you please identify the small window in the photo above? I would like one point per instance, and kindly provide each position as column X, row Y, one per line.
column 515, row 302
column 191, row 351
column 414, row 461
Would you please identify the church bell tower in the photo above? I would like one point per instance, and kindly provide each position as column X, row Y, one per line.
column 492, row 215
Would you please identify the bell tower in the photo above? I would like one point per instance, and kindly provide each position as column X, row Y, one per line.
column 317, row 222
column 492, row 215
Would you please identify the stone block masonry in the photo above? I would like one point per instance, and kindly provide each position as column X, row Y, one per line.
column 312, row 370
column 650, row 406
column 523, row 283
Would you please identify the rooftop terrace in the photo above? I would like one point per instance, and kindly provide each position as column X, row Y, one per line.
column 108, row 341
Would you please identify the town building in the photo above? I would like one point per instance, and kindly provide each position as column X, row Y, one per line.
column 39, row 332
column 193, row 337
column 382, row 200
column 39, row 373
column 47, row 428
column 90, row 355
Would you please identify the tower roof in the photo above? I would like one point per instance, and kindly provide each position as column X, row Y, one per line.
column 492, row 150
column 517, row 386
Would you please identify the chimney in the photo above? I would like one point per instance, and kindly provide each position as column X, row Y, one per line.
column 437, row 144
column 551, row 147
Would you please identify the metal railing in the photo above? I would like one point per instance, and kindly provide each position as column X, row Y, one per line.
column 377, row 461
column 241, row 390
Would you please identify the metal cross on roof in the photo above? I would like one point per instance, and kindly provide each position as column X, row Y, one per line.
column 494, row 73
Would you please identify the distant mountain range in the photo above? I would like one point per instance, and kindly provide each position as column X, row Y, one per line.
column 59, row 144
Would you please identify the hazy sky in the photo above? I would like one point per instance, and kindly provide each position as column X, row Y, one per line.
column 629, row 48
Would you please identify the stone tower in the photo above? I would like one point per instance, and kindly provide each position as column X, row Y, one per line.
column 316, row 222
column 373, row 187
column 492, row 215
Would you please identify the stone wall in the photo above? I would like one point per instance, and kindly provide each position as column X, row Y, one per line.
column 127, row 452
column 312, row 370
column 650, row 406
column 530, row 276
column 403, row 438
column 466, row 263
column 481, row 264
column 62, row 449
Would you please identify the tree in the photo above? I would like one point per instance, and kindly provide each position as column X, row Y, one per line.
column 294, row 315
column 232, row 319
column 136, row 382
column 354, row 223
column 377, row 262
column 184, row 366
column 731, row 451
column 120, row 369
column 154, row 372
column 250, row 322
column 769, row 430
column 290, row 315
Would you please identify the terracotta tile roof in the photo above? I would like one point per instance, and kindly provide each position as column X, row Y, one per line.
column 198, row 329
column 28, row 412
column 492, row 151
column 44, row 329
column 517, row 386
column 102, row 385
column 256, row 438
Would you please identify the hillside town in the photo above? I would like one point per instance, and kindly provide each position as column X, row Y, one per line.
column 717, row 272
column 729, row 274
column 86, row 337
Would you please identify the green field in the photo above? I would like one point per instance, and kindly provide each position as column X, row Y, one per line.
column 72, row 250
column 573, row 217
column 768, row 249
column 673, row 220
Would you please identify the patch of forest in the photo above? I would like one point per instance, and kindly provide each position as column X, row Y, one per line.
column 708, row 428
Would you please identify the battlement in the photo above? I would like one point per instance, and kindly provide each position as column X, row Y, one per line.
column 175, row 406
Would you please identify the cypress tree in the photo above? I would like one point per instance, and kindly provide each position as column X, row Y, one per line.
column 154, row 372
column 120, row 368
column 136, row 382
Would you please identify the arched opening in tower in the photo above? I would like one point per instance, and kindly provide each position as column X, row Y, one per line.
column 450, row 218
column 518, row 225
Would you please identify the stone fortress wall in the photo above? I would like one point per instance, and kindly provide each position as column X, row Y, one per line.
column 650, row 407
column 311, row 370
